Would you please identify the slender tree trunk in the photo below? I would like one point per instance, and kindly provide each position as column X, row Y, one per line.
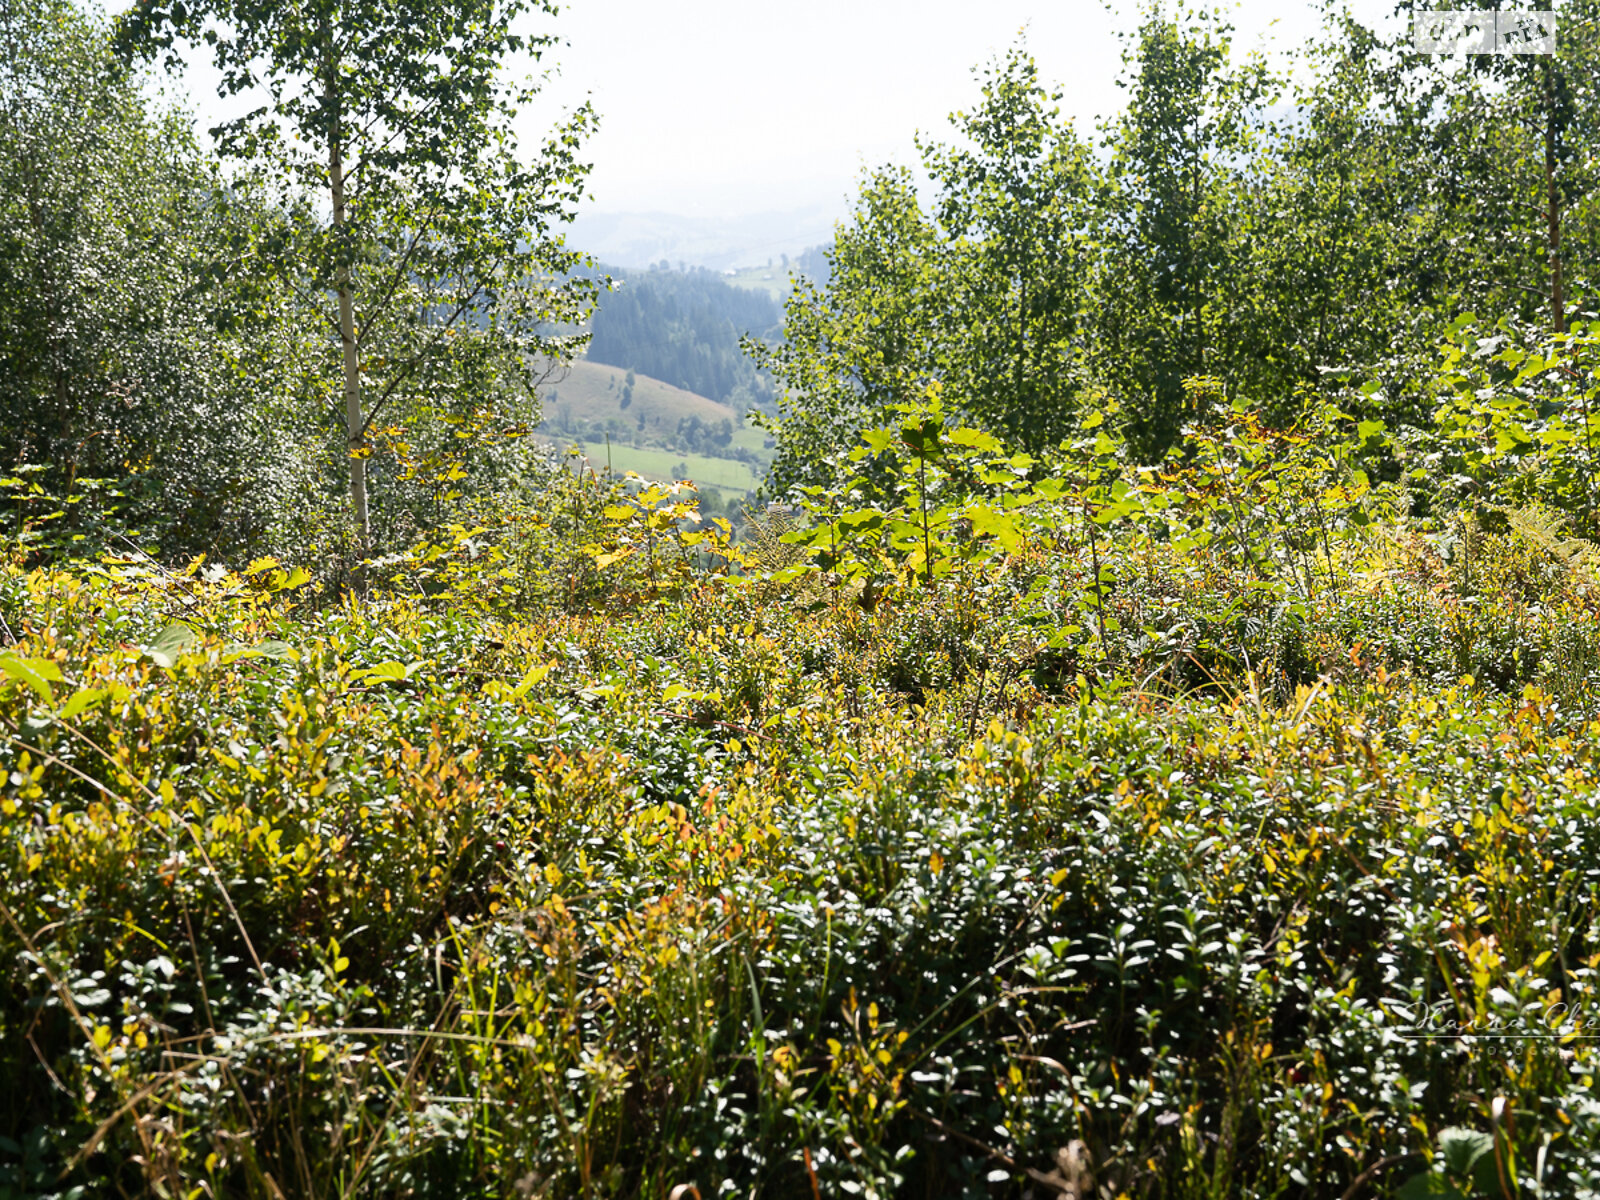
column 354, row 421
column 1020, row 411
column 1558, row 313
column 1197, row 344
column 50, row 443
column 1099, row 593
column 927, row 536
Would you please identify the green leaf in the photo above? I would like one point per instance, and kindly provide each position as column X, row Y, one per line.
column 170, row 644
column 82, row 699
column 924, row 436
column 877, row 440
column 278, row 650
column 37, row 673
column 976, row 439
column 861, row 520
column 989, row 523
column 1462, row 1149
column 535, row 676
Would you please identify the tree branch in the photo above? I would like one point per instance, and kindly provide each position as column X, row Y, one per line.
column 411, row 367
column 399, row 274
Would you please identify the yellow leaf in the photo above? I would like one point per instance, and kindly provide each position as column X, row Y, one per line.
column 534, row 676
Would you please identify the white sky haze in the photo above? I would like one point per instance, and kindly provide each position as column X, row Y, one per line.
column 716, row 108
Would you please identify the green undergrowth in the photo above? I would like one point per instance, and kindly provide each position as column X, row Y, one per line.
column 808, row 889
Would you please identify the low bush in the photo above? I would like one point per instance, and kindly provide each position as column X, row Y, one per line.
column 787, row 890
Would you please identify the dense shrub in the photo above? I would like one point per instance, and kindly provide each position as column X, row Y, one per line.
column 753, row 885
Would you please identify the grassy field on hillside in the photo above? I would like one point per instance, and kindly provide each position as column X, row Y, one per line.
column 592, row 393
column 587, row 405
column 775, row 280
column 722, row 473
column 751, row 438
column 722, row 480
column 658, row 464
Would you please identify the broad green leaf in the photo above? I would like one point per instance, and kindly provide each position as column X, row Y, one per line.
column 976, row 439
column 532, row 679
column 989, row 523
column 877, row 440
column 1426, row 1185
column 80, row 701
column 861, row 520
column 1468, row 1153
column 36, row 673
column 278, row 650
column 170, row 644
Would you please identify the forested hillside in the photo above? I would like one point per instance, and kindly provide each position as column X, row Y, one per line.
column 1143, row 746
column 684, row 328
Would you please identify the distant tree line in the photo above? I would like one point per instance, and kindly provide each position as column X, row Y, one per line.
column 333, row 331
column 1277, row 243
column 684, row 328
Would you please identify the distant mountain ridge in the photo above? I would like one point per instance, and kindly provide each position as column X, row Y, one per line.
column 641, row 240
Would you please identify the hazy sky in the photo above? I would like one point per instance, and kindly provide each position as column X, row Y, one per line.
column 718, row 107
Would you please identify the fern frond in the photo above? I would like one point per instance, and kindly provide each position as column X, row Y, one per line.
column 1545, row 528
column 765, row 530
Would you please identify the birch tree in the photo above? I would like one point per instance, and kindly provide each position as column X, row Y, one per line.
column 424, row 237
